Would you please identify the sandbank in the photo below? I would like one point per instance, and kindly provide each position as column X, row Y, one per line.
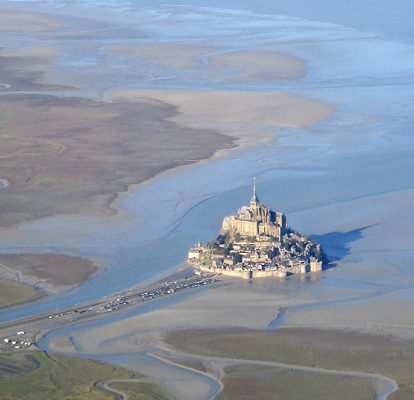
column 50, row 273
column 209, row 63
column 258, row 66
column 379, row 257
column 12, row 21
column 26, row 70
column 171, row 55
column 249, row 116
column 42, row 53
column 72, row 162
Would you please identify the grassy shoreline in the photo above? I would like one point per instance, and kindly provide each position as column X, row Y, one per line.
column 34, row 375
column 13, row 293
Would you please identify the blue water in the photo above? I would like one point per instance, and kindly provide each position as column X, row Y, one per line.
column 360, row 59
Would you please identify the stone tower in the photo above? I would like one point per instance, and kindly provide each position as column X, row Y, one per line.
column 254, row 201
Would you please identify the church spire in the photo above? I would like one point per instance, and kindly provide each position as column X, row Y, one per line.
column 254, row 186
column 254, row 199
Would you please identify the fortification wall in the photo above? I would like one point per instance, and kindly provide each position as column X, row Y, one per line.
column 246, row 274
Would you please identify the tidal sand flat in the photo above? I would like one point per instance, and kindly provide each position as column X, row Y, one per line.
column 248, row 116
column 48, row 272
column 173, row 61
column 253, row 381
column 73, row 154
column 26, row 71
column 70, row 155
column 335, row 159
column 169, row 55
column 13, row 20
column 328, row 358
column 260, row 66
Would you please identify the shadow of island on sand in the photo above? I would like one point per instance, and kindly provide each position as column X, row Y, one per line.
column 337, row 245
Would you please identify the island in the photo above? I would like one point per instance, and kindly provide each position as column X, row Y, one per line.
column 256, row 242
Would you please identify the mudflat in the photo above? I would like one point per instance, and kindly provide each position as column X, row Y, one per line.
column 248, row 116
column 26, row 71
column 169, row 55
column 50, row 272
column 73, row 150
column 260, row 66
column 318, row 348
column 266, row 383
column 27, row 22
column 73, row 155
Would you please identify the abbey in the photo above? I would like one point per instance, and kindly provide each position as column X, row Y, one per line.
column 255, row 220
column 256, row 242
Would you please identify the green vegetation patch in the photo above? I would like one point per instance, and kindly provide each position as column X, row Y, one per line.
column 142, row 391
column 16, row 365
column 12, row 293
column 55, row 377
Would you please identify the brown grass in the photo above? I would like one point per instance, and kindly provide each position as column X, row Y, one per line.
column 25, row 68
column 247, row 115
column 245, row 382
column 13, row 293
column 56, row 269
column 328, row 349
column 77, row 154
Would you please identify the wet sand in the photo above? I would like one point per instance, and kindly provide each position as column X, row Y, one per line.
column 343, row 180
column 50, row 148
column 12, row 20
column 58, row 161
column 260, row 66
column 170, row 55
column 340, row 298
column 249, row 117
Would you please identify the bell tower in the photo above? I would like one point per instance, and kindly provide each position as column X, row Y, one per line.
column 254, row 201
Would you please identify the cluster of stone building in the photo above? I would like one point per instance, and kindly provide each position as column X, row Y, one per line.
column 256, row 242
